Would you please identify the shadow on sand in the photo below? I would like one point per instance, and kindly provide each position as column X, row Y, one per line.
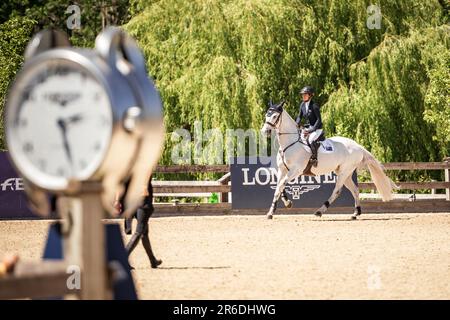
column 361, row 218
column 193, row 268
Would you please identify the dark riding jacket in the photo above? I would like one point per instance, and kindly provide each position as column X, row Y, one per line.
column 313, row 118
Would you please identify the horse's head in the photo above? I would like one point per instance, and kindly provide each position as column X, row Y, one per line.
column 273, row 116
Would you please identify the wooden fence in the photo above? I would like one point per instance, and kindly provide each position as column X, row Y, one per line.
column 223, row 187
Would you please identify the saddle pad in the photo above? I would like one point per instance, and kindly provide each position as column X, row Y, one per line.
column 327, row 146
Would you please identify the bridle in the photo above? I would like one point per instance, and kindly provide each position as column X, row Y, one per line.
column 279, row 119
column 278, row 133
column 274, row 126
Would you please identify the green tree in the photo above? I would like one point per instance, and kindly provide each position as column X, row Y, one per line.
column 220, row 62
column 437, row 97
column 384, row 104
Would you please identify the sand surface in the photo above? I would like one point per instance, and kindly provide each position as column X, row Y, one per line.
column 379, row 256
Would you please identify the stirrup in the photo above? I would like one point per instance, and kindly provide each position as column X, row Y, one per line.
column 313, row 161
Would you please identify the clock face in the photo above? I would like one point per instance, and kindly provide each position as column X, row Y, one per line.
column 59, row 123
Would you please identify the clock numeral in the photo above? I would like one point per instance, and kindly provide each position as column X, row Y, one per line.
column 23, row 123
column 104, row 121
column 83, row 164
column 28, row 96
column 97, row 146
column 62, row 71
column 41, row 78
column 28, row 147
column 84, row 76
column 60, row 172
column 20, row 123
column 42, row 164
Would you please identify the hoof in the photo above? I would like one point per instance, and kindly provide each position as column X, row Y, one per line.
column 354, row 217
column 155, row 264
column 318, row 214
column 289, row 205
column 269, row 216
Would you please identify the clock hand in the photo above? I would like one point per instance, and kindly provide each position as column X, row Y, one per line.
column 74, row 119
column 62, row 126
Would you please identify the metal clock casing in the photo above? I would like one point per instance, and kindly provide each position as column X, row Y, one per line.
column 97, row 117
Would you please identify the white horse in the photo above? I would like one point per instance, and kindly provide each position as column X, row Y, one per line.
column 293, row 157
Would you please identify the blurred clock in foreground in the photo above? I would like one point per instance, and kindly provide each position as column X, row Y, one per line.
column 76, row 115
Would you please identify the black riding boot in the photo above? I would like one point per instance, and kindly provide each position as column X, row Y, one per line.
column 133, row 242
column 128, row 223
column 154, row 262
column 314, row 147
column 142, row 216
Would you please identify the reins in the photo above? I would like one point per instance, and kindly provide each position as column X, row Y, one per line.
column 299, row 139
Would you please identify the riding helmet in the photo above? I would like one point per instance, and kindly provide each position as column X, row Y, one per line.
column 307, row 89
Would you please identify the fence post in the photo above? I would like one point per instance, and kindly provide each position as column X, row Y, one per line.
column 433, row 191
column 447, row 179
column 223, row 196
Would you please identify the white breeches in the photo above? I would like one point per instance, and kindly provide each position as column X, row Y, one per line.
column 314, row 135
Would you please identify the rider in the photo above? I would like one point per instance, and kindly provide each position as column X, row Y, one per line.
column 310, row 111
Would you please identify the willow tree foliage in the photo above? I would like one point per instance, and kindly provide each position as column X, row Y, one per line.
column 437, row 98
column 220, row 62
column 93, row 15
column 397, row 100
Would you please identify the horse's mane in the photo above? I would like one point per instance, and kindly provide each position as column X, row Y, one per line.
column 288, row 115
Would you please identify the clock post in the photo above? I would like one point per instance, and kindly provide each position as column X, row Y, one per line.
column 84, row 240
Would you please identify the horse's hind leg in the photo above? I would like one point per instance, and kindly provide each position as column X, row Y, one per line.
column 353, row 188
column 341, row 178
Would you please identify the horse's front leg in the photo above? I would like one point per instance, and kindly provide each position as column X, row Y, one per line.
column 284, row 196
column 280, row 188
column 287, row 202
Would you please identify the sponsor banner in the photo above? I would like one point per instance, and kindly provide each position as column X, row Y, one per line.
column 13, row 200
column 253, row 183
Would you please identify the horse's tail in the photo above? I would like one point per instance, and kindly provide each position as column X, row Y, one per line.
column 383, row 183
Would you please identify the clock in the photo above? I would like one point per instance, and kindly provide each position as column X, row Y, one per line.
column 60, row 123
column 75, row 115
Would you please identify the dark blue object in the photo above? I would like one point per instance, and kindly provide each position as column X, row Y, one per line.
column 124, row 289
column 253, row 183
